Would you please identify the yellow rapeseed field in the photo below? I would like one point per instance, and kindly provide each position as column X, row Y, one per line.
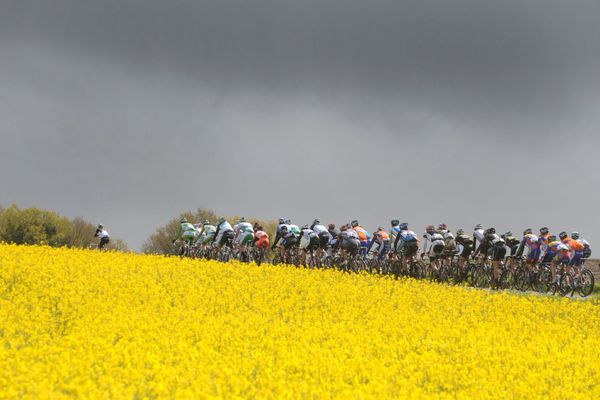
column 80, row 323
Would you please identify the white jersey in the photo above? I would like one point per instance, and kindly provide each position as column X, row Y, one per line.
column 224, row 227
column 320, row 229
column 243, row 227
column 101, row 233
column 478, row 235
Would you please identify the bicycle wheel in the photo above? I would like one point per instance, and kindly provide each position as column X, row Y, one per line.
column 586, row 283
column 544, row 281
column 506, row 279
column 522, row 279
column 566, row 284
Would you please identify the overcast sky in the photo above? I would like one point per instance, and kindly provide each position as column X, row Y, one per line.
column 463, row 112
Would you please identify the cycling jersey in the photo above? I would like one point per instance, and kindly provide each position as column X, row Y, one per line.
column 478, row 236
column 407, row 241
column 319, row 229
column 294, row 229
column 577, row 250
column 261, row 240
column 207, row 233
column 222, row 229
column 512, row 243
column 531, row 242
column 562, row 251
column 243, row 227
column 465, row 245
column 437, row 245
column 394, row 233
column 186, row 231
column 383, row 241
column 309, row 240
column 363, row 235
column 429, row 239
column 244, row 233
column 101, row 233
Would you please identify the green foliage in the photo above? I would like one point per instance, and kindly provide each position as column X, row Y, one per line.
column 160, row 242
column 36, row 226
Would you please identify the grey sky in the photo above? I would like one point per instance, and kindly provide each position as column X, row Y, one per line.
column 128, row 112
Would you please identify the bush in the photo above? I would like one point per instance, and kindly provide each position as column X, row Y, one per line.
column 36, row 226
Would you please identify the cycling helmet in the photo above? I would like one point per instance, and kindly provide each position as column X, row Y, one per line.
column 430, row 228
column 206, row 222
column 552, row 238
column 331, row 226
column 459, row 232
column 477, row 227
column 544, row 230
column 528, row 231
column 507, row 234
column 305, row 226
column 443, row 227
column 354, row 223
column 288, row 221
column 316, row 222
column 284, row 228
column 100, row 226
column 183, row 221
column 243, row 219
column 490, row 231
column 575, row 235
column 259, row 228
column 404, row 226
column 281, row 220
column 221, row 220
column 562, row 235
column 395, row 222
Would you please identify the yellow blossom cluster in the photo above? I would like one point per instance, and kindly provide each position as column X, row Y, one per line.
column 83, row 323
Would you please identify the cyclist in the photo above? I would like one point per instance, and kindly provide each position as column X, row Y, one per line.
column 406, row 243
column 102, row 234
column 394, row 231
column 465, row 246
column 511, row 242
column 434, row 245
column 187, row 232
column 478, row 236
column 244, row 233
column 530, row 241
column 497, row 248
column 207, row 233
column 543, row 241
column 309, row 240
column 323, row 234
column 576, row 248
column 562, row 255
column 381, row 237
column 224, row 233
column 363, row 236
column 587, row 252
column 348, row 241
column 261, row 238
column 288, row 240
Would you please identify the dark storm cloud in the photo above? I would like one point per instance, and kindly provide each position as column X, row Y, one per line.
column 130, row 111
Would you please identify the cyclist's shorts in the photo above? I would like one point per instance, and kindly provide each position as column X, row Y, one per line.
column 189, row 237
column 410, row 248
column 437, row 249
column 499, row 253
column 311, row 243
column 245, row 238
column 467, row 250
column 533, row 255
column 351, row 246
column 577, row 259
column 324, row 240
column 263, row 243
column 226, row 238
column 289, row 242
column 548, row 257
column 206, row 239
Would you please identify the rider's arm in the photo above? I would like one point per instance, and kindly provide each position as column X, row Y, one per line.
column 521, row 248
column 277, row 237
column 216, row 234
column 396, row 242
column 371, row 244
